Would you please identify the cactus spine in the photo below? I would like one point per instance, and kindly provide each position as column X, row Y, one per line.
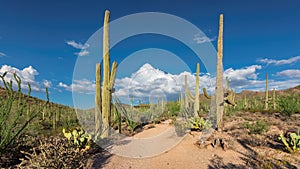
column 267, row 94
column 219, row 78
column 108, row 82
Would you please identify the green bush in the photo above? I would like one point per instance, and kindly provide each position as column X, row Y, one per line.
column 288, row 105
column 13, row 120
column 259, row 127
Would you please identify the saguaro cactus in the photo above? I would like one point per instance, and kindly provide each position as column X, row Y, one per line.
column 196, row 103
column 189, row 97
column 219, row 78
column 267, row 94
column 274, row 99
column 186, row 91
column 98, row 99
column 108, row 82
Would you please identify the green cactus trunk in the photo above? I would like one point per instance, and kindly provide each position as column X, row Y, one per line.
column 106, row 95
column 219, row 79
column 181, row 101
column 54, row 120
column 186, row 103
column 98, row 100
column 196, row 103
column 267, row 94
column 274, row 99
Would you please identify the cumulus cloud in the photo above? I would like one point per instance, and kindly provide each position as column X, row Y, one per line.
column 149, row 82
column 2, row 54
column 280, row 62
column 80, row 86
column 291, row 73
column 199, row 39
column 240, row 78
column 27, row 75
column 82, row 47
column 82, row 53
column 77, row 45
column 47, row 83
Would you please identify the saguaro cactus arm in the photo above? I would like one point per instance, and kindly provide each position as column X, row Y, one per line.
column 206, row 94
column 113, row 75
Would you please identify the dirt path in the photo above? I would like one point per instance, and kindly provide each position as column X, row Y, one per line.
column 244, row 150
column 184, row 155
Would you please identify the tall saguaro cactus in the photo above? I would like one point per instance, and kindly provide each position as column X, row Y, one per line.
column 186, row 100
column 108, row 83
column 267, row 94
column 219, row 78
column 196, row 103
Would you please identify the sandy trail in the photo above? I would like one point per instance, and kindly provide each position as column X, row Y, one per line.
column 185, row 154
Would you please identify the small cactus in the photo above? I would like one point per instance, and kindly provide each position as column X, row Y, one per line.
column 79, row 138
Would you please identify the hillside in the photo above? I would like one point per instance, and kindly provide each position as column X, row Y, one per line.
column 32, row 100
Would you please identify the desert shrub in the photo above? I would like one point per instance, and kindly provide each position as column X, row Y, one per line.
column 173, row 108
column 180, row 128
column 258, row 127
column 54, row 152
column 288, row 105
column 13, row 120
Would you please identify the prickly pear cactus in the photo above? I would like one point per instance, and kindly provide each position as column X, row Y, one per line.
column 292, row 143
column 79, row 138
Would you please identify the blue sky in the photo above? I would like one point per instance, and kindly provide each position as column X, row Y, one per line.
column 42, row 40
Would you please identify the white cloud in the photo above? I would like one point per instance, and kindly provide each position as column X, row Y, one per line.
column 80, row 86
column 82, row 53
column 77, row 45
column 240, row 78
column 291, row 73
column 27, row 75
column 280, row 62
column 203, row 39
column 82, row 47
column 47, row 83
column 2, row 54
column 149, row 82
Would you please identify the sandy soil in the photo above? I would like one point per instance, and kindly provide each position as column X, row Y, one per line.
column 243, row 151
